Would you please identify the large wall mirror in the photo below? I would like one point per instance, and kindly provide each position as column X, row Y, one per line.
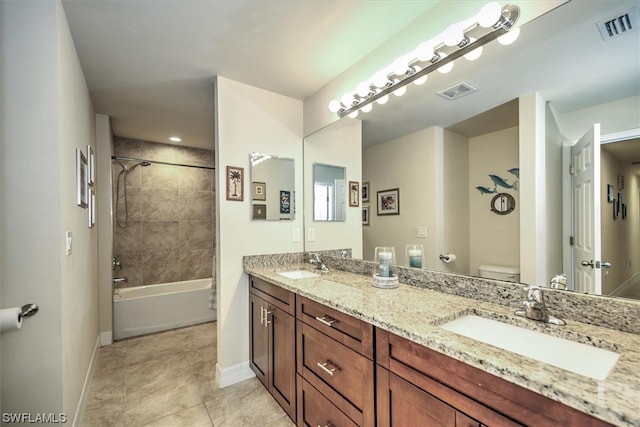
column 451, row 158
column 329, row 193
column 272, row 187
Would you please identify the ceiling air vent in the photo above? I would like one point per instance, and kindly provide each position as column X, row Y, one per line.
column 619, row 25
column 456, row 91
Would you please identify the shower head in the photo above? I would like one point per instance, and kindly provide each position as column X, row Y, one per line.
column 136, row 165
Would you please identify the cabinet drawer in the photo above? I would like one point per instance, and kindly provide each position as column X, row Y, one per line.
column 344, row 376
column 280, row 297
column 316, row 410
column 348, row 330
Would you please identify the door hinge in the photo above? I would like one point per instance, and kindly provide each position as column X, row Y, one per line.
column 571, row 240
column 572, row 170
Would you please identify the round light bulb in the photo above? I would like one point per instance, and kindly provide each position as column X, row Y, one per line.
column 380, row 79
column 334, row 106
column 400, row 67
column 510, row 37
column 366, row 108
column 424, row 51
column 363, row 89
column 445, row 68
column 353, row 114
column 489, row 14
column 383, row 99
column 175, row 139
column 347, row 100
column 400, row 91
column 453, row 35
column 475, row 53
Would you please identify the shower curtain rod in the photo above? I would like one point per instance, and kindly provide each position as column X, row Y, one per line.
column 161, row 163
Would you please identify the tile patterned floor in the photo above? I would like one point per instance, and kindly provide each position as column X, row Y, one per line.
column 167, row 379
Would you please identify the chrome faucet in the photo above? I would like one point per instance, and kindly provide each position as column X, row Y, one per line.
column 314, row 258
column 558, row 281
column 535, row 307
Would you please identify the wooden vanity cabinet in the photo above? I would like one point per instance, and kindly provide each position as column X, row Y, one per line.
column 412, row 378
column 272, row 341
column 335, row 367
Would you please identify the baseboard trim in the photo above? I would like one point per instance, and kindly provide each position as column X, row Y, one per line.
column 106, row 338
column 233, row 374
column 79, row 415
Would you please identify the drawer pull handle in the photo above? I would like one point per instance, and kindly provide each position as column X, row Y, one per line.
column 326, row 320
column 329, row 371
column 326, row 425
column 261, row 315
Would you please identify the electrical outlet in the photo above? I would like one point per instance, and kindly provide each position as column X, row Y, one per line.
column 421, row 232
column 68, row 241
column 311, row 235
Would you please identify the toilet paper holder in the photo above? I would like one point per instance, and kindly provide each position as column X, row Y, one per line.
column 447, row 257
column 28, row 310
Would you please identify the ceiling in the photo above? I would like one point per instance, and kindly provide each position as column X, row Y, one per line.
column 150, row 65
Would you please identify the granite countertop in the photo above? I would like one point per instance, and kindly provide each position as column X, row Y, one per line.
column 415, row 313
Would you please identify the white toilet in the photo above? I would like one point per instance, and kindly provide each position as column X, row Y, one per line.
column 500, row 272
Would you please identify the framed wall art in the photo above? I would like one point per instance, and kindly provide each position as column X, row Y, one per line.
column 285, row 202
column 259, row 211
column 365, row 192
column 235, row 183
column 259, row 190
column 81, row 179
column 365, row 215
column 354, row 193
column 389, row 202
column 91, row 166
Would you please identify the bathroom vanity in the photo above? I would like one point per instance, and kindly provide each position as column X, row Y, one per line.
column 361, row 356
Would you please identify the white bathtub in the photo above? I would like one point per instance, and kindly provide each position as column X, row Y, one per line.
column 146, row 309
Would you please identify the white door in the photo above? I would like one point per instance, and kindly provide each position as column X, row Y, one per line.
column 585, row 157
column 340, row 199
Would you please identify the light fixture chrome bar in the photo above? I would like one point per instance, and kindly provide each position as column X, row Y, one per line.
column 510, row 14
column 158, row 162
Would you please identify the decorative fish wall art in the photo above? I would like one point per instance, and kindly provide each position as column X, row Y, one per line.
column 501, row 182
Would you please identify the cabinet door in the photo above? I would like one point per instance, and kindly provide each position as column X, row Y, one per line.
column 259, row 339
column 401, row 404
column 282, row 363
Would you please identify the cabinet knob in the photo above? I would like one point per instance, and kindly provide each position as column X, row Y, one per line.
column 329, row 370
column 326, row 320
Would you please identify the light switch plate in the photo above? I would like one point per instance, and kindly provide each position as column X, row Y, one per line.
column 68, row 241
column 295, row 235
column 421, row 232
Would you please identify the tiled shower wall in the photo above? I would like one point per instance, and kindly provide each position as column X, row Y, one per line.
column 170, row 231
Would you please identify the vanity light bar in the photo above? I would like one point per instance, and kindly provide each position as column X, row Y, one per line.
column 473, row 35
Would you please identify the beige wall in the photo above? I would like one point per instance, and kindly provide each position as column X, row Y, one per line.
column 394, row 165
column 249, row 120
column 338, row 145
column 493, row 239
column 47, row 115
column 620, row 244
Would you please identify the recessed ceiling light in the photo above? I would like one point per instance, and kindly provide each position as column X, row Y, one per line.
column 175, row 139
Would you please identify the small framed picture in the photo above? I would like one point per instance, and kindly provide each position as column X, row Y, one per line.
column 389, row 202
column 354, row 193
column 259, row 211
column 259, row 191
column 365, row 215
column 235, row 183
column 615, row 209
column 81, row 179
column 285, row 202
column 365, row 192
column 91, row 166
column 610, row 193
column 624, row 211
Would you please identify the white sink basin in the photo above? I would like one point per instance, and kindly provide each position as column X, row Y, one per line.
column 572, row 356
column 298, row 274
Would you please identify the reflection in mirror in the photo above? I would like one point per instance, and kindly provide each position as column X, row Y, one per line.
column 456, row 177
column 272, row 187
column 329, row 193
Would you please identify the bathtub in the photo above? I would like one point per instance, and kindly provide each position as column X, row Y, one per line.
column 146, row 309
